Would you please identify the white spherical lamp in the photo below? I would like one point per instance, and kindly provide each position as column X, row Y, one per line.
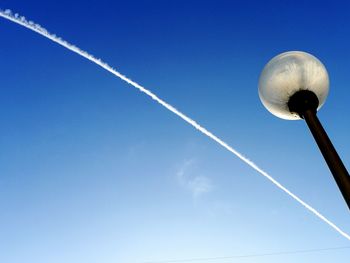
column 287, row 74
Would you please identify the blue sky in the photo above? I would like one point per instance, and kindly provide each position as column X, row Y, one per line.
column 91, row 170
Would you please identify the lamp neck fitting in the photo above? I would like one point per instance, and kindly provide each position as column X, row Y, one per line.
column 302, row 101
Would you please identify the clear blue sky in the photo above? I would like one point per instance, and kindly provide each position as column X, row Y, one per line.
column 91, row 170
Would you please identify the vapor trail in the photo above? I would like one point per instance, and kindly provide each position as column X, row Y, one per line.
column 21, row 20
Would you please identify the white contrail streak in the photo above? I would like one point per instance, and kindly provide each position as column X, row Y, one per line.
column 21, row 20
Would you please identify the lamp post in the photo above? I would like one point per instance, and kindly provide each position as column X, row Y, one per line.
column 294, row 85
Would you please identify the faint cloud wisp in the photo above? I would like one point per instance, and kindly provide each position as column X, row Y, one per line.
column 188, row 178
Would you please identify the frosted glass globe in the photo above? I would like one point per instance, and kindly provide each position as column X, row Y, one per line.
column 288, row 73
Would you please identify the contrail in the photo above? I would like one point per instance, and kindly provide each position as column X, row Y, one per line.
column 21, row 20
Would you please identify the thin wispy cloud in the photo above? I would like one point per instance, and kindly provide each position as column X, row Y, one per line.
column 190, row 178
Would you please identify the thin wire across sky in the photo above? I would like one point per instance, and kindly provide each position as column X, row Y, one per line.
column 21, row 20
column 280, row 253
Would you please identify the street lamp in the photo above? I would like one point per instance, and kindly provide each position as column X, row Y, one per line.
column 294, row 85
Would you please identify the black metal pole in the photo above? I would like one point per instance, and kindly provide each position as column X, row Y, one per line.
column 329, row 153
column 305, row 104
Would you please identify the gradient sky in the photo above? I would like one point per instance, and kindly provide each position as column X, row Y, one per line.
column 91, row 170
